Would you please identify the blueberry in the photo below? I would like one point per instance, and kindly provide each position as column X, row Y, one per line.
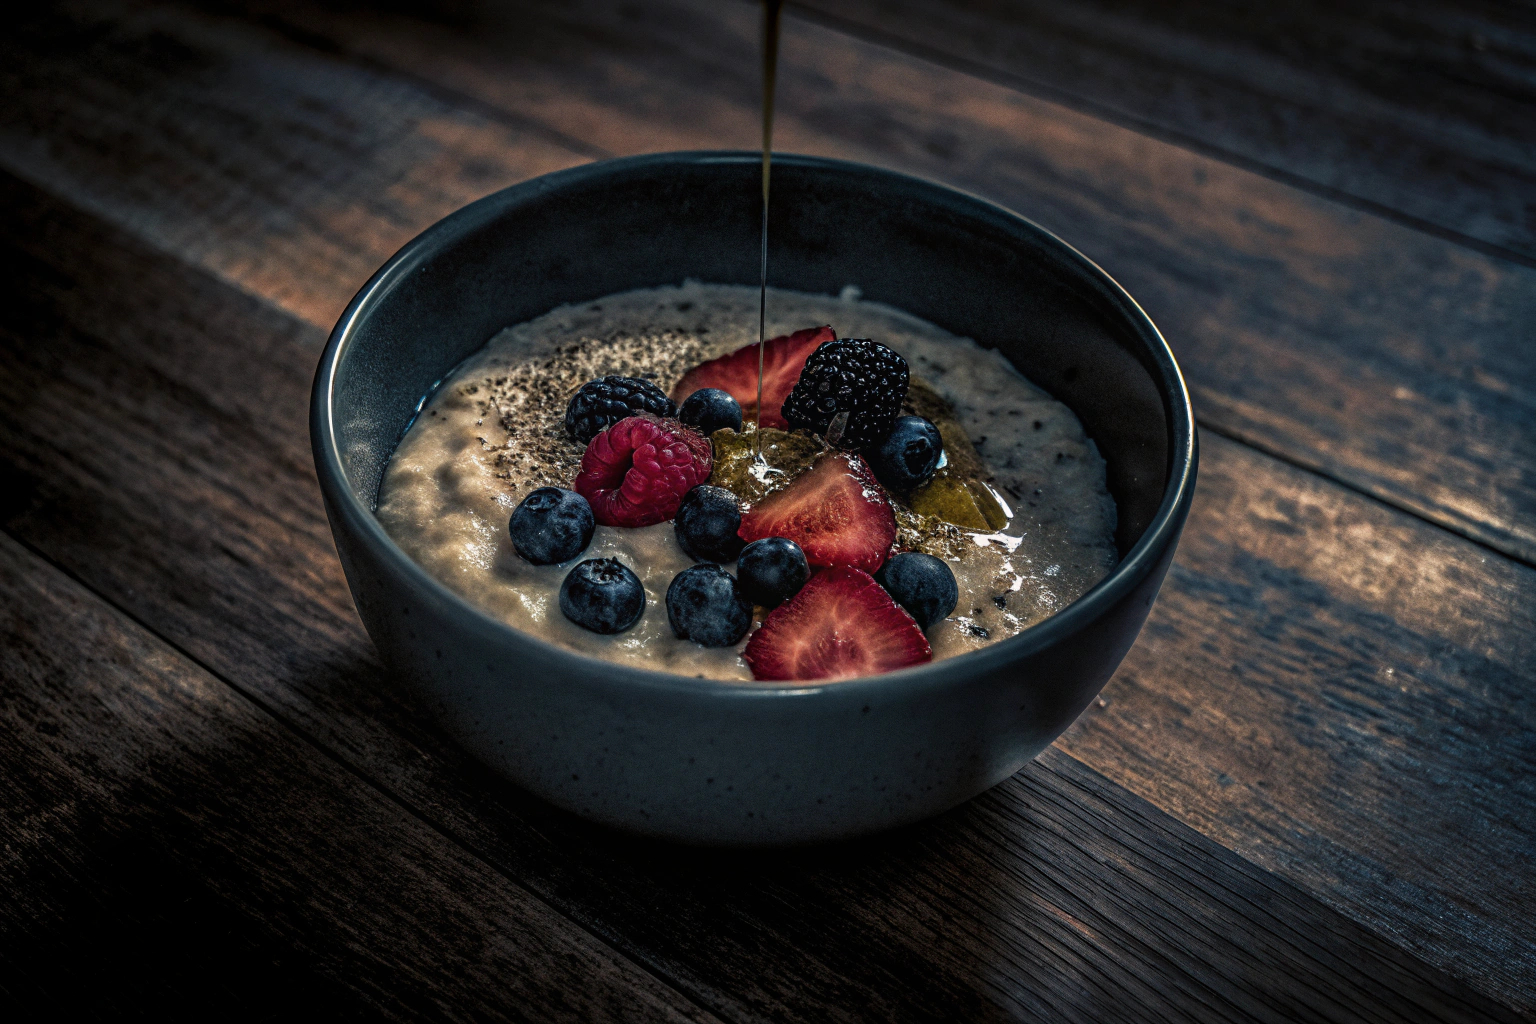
column 603, row 595
column 705, row 605
column 709, row 409
column 909, row 455
column 707, row 522
column 921, row 584
column 551, row 526
column 772, row 570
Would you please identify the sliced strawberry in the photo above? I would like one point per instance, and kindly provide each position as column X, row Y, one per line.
column 783, row 359
column 835, row 511
column 842, row 624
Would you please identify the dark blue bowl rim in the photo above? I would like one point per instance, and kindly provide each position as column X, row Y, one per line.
column 1142, row 559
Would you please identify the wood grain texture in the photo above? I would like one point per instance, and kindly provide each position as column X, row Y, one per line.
column 167, row 844
column 220, row 543
column 315, row 173
column 1418, row 108
column 225, row 500
column 1388, row 359
column 1331, row 684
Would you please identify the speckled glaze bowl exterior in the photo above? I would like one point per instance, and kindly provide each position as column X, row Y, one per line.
column 710, row 762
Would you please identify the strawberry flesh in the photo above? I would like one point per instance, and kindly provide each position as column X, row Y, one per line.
column 842, row 624
column 835, row 511
column 783, row 359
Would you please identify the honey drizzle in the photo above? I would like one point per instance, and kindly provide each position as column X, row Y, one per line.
column 771, row 9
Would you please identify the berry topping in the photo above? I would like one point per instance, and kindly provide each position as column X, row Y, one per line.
column 710, row 409
column 921, row 584
column 783, row 358
column 835, row 511
column 772, row 570
column 551, row 525
column 909, row 454
column 862, row 378
column 603, row 595
column 707, row 522
column 705, row 605
column 599, row 404
column 636, row 472
column 841, row 624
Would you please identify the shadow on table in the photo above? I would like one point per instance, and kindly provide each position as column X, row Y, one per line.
column 933, row 920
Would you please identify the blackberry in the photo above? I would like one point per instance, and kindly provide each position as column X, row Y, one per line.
column 601, row 403
column 862, row 378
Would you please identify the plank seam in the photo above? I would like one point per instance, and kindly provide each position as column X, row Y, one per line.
column 1201, row 994
column 1296, row 463
column 1103, row 112
column 452, row 96
column 1309, row 951
column 357, row 773
column 449, row 96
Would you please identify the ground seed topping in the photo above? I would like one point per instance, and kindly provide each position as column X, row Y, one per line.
column 494, row 432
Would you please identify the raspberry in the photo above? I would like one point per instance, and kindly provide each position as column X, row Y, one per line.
column 636, row 472
column 862, row 378
column 600, row 403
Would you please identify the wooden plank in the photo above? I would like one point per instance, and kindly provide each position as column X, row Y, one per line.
column 1390, row 360
column 1059, row 890
column 342, row 596
column 169, row 844
column 165, row 124
column 540, row 43
column 1329, row 682
column 1418, row 109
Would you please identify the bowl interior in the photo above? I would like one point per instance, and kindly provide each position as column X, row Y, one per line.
column 957, row 261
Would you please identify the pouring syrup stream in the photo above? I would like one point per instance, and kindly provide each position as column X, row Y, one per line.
column 771, row 9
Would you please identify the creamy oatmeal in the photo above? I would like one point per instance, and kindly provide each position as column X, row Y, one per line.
column 1027, row 523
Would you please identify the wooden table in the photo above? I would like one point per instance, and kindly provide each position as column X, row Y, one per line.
column 1309, row 793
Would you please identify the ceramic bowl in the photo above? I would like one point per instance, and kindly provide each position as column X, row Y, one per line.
column 726, row 763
